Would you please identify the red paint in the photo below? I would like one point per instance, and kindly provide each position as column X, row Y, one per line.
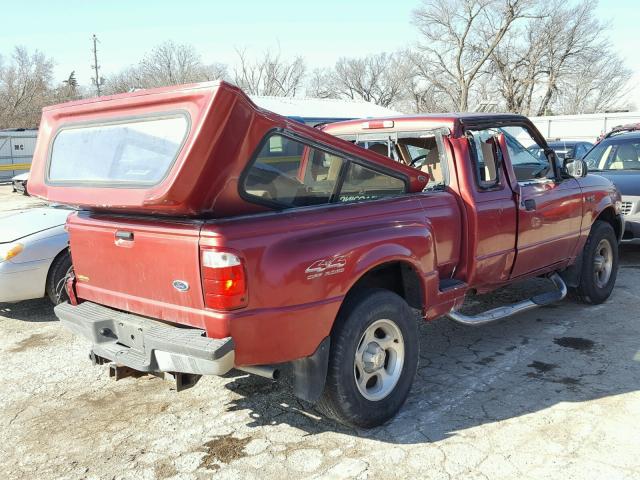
column 297, row 265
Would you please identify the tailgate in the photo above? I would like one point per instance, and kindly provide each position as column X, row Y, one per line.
column 144, row 266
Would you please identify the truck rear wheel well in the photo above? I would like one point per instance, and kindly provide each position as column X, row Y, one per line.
column 608, row 215
column 398, row 277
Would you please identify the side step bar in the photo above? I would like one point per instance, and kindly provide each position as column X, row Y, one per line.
column 499, row 313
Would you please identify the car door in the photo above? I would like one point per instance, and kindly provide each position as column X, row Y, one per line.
column 549, row 208
column 491, row 210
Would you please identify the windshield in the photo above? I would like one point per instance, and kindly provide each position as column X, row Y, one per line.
column 615, row 154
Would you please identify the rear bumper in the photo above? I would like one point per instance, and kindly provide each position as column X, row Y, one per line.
column 147, row 345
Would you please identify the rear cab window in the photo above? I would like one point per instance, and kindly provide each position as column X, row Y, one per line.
column 289, row 172
column 130, row 152
column 422, row 150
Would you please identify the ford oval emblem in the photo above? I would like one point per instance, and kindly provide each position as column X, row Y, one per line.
column 180, row 285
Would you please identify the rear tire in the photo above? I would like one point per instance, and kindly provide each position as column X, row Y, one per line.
column 599, row 264
column 55, row 287
column 373, row 359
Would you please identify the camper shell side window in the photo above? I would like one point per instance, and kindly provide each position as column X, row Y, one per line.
column 288, row 172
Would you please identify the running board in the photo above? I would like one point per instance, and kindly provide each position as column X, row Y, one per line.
column 499, row 313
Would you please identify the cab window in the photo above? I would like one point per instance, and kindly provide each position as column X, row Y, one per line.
column 527, row 157
column 424, row 154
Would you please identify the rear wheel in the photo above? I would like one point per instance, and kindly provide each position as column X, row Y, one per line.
column 373, row 359
column 56, row 278
column 599, row 264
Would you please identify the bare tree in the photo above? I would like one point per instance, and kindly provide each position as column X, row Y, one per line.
column 572, row 35
column 459, row 37
column 170, row 64
column 24, row 88
column 516, row 65
column 596, row 85
column 269, row 75
column 376, row 78
column 321, row 84
column 166, row 64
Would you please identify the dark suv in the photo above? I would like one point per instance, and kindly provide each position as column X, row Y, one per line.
column 617, row 158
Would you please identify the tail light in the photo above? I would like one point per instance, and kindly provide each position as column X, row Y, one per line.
column 223, row 280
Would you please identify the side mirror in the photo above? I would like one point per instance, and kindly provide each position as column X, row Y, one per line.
column 575, row 167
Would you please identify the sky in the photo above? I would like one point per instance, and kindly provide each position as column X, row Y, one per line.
column 319, row 31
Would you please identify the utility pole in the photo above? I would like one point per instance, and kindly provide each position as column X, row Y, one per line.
column 97, row 80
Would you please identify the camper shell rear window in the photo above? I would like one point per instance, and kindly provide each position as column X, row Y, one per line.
column 130, row 152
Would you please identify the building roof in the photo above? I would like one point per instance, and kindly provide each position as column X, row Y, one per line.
column 321, row 109
column 19, row 132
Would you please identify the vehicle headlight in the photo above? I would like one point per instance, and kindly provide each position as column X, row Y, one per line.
column 10, row 250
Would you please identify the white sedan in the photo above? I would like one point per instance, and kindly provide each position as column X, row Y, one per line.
column 34, row 254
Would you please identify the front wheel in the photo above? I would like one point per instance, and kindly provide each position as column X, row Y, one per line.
column 60, row 268
column 373, row 359
column 599, row 264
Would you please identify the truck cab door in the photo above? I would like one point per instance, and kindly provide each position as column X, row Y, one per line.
column 549, row 208
column 491, row 210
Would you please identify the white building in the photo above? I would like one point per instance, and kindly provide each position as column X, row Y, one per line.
column 582, row 127
column 16, row 151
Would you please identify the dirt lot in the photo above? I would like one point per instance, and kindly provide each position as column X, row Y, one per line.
column 554, row 393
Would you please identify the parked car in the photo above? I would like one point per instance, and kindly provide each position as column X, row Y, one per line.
column 216, row 235
column 619, row 129
column 570, row 148
column 34, row 258
column 618, row 159
column 19, row 183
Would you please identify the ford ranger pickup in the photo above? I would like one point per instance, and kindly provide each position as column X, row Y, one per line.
column 212, row 235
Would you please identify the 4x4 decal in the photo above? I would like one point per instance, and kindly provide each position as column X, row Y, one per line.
column 326, row 267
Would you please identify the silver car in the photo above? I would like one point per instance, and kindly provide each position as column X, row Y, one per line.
column 34, row 258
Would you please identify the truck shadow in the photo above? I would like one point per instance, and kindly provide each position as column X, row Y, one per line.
column 474, row 376
column 38, row 310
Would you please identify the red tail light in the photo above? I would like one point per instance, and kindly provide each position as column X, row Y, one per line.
column 223, row 280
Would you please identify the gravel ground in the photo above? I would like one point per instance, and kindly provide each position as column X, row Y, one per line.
column 553, row 393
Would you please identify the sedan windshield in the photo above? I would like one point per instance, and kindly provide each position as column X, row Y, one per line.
column 615, row 154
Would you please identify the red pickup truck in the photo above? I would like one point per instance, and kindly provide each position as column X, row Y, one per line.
column 215, row 235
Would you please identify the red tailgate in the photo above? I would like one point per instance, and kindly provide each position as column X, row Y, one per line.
column 147, row 267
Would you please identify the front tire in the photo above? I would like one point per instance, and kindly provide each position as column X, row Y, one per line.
column 373, row 359
column 599, row 264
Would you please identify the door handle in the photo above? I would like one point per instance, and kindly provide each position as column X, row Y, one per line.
column 123, row 235
column 529, row 204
